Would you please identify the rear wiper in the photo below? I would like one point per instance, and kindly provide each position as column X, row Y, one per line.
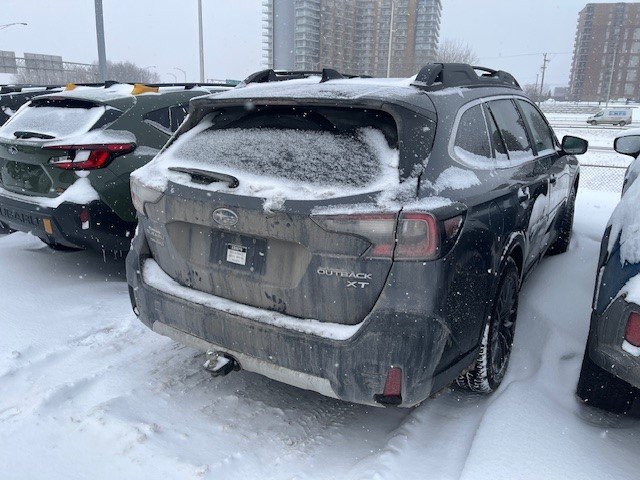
column 42, row 136
column 205, row 177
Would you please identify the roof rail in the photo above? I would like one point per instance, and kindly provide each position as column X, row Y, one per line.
column 271, row 75
column 109, row 83
column 435, row 76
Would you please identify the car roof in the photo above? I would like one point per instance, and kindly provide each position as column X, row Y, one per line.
column 105, row 94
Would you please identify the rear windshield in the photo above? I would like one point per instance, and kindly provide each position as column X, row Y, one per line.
column 289, row 153
column 300, row 156
column 47, row 122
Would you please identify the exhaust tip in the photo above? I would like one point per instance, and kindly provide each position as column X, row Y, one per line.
column 220, row 364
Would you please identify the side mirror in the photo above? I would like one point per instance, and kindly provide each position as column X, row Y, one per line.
column 629, row 145
column 574, row 145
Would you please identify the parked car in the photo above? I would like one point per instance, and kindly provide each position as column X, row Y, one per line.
column 626, row 144
column 613, row 116
column 362, row 238
column 65, row 160
column 12, row 97
column 610, row 374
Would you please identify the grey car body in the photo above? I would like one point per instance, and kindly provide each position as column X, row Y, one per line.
column 319, row 312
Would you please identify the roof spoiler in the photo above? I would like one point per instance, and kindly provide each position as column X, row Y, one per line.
column 435, row 76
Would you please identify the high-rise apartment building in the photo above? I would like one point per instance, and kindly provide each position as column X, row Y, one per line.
column 352, row 36
column 606, row 56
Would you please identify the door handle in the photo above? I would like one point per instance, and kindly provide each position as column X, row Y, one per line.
column 524, row 195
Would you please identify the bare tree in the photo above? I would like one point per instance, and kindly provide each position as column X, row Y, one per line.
column 533, row 92
column 129, row 72
column 455, row 51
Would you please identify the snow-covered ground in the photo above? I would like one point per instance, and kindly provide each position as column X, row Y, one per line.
column 86, row 391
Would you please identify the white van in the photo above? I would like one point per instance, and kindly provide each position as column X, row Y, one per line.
column 619, row 116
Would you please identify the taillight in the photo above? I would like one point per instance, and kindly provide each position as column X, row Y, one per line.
column 418, row 235
column 378, row 229
column 88, row 157
column 632, row 332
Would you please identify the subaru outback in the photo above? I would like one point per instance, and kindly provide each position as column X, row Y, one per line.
column 362, row 238
column 65, row 160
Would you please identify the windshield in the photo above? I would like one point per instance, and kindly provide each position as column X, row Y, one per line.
column 47, row 122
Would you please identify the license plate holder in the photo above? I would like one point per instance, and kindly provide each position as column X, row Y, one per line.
column 239, row 252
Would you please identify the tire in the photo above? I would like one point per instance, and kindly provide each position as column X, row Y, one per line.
column 490, row 366
column 593, row 122
column 564, row 226
column 601, row 389
column 623, row 124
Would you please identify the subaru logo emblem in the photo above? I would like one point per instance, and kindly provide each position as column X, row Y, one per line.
column 13, row 150
column 225, row 217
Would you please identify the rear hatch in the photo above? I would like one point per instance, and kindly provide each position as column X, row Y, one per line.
column 281, row 208
column 26, row 162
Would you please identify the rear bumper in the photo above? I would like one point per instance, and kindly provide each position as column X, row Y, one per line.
column 62, row 225
column 606, row 346
column 351, row 367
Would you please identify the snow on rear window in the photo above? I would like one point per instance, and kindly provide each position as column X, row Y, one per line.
column 312, row 157
column 281, row 163
column 56, row 122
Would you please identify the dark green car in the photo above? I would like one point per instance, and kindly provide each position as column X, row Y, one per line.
column 65, row 160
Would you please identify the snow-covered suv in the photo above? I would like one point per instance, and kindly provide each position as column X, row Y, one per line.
column 363, row 238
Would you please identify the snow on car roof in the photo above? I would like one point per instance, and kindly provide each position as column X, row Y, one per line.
column 117, row 91
column 311, row 87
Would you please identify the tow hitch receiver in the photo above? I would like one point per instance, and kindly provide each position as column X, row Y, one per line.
column 220, row 364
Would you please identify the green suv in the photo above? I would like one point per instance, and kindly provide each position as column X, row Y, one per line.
column 65, row 160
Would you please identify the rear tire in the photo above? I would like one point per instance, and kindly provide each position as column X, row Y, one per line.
column 564, row 226
column 601, row 389
column 490, row 366
column 623, row 124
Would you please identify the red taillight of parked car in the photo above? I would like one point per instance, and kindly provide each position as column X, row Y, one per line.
column 409, row 236
column 632, row 332
column 88, row 157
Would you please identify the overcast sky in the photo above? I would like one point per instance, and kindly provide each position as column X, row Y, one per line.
column 163, row 33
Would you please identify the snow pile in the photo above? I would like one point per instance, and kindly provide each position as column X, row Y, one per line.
column 54, row 121
column 156, row 278
column 455, row 178
column 95, row 137
column 280, row 164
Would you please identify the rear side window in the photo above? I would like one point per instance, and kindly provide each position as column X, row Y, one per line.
column 52, row 119
column 168, row 119
column 472, row 139
column 542, row 136
column 497, row 144
column 512, row 128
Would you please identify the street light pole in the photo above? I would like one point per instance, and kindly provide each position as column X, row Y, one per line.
column 201, row 40
column 102, row 51
column 390, row 38
column 613, row 66
column 183, row 73
column 7, row 25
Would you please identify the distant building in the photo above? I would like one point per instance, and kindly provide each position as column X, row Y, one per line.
column 606, row 55
column 560, row 93
column 351, row 36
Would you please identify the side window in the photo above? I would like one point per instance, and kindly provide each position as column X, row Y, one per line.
column 511, row 126
column 542, row 135
column 167, row 119
column 497, row 144
column 472, row 139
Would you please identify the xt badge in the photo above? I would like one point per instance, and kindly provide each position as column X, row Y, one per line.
column 354, row 279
